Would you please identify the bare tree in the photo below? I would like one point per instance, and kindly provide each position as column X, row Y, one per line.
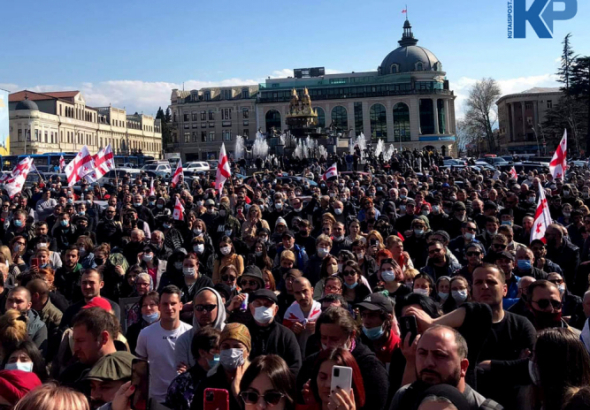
column 482, row 111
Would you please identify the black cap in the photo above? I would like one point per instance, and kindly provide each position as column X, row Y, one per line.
column 505, row 255
column 377, row 301
column 289, row 234
column 459, row 206
column 264, row 294
column 410, row 201
column 223, row 290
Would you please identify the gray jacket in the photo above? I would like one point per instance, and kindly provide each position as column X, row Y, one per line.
column 37, row 330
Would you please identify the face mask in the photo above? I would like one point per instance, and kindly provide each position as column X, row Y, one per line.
column 338, row 211
column 421, row 291
column 354, row 285
column 65, row 223
column 534, row 372
column 225, row 250
column 197, row 231
column 199, row 248
column 213, row 362
column 567, row 214
column 566, row 192
column 42, row 245
column 147, row 257
column 166, row 226
column 18, row 223
column 188, row 272
column 388, row 275
column 492, row 232
column 137, row 204
column 524, row 264
column 82, row 213
column 531, row 199
column 222, row 212
column 425, row 213
column 279, row 206
column 443, row 295
column 70, row 201
column 373, row 333
column 561, row 289
column 210, row 211
column 258, row 254
column 418, row 232
column 403, row 196
column 507, row 223
column 453, row 198
column 152, row 203
column 402, row 208
column 460, row 296
column 82, row 252
column 98, row 261
column 468, row 236
column 322, row 252
column 151, row 318
column 359, row 256
column 160, row 206
column 231, row 359
column 22, row 366
column 263, row 314
column 435, row 208
column 177, row 265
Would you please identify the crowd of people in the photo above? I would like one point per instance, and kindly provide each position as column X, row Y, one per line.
column 423, row 280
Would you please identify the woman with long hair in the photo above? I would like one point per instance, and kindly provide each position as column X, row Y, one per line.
column 85, row 248
column 150, row 313
column 18, row 247
column 259, row 256
column 328, row 268
column 395, row 245
column 460, row 293
column 355, row 290
column 26, row 357
column 252, row 224
column 203, row 252
column 268, row 379
column 148, row 260
column 392, row 277
column 227, row 256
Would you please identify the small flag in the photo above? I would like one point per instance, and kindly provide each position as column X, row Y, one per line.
column 558, row 163
column 542, row 217
column 177, row 173
column 404, row 11
column 330, row 172
column 152, row 190
column 62, row 164
column 178, row 213
column 223, row 169
column 513, row 173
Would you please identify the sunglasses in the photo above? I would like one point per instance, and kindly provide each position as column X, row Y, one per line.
column 473, row 253
column 207, row 308
column 272, row 398
column 349, row 273
column 544, row 303
column 226, row 278
column 499, row 246
column 248, row 282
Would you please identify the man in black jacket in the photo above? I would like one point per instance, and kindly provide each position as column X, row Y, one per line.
column 268, row 336
column 567, row 256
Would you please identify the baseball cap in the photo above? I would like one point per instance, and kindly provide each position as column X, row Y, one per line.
column 289, row 234
column 98, row 302
column 264, row 294
column 505, row 255
column 377, row 301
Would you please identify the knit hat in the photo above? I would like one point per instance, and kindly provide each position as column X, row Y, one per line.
column 115, row 366
column 14, row 384
column 281, row 220
column 236, row 331
column 98, row 302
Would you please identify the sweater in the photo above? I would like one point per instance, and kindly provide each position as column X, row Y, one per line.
column 275, row 339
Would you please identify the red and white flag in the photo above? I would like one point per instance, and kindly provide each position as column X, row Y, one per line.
column 152, row 190
column 404, row 11
column 62, row 163
column 178, row 213
column 104, row 161
column 558, row 164
column 177, row 173
column 542, row 217
column 330, row 172
column 223, row 169
column 81, row 165
column 513, row 173
column 15, row 183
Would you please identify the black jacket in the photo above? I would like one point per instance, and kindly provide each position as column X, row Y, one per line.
column 275, row 339
column 567, row 256
column 72, row 311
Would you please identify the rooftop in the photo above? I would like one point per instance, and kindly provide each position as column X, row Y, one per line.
column 539, row 90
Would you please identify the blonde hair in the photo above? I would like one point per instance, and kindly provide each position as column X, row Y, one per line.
column 13, row 329
column 5, row 250
column 410, row 274
column 50, row 396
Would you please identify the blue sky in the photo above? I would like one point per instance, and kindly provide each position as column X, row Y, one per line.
column 132, row 53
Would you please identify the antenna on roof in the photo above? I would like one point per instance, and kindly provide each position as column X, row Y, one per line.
column 183, row 86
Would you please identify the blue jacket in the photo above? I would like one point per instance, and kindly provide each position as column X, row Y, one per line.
column 512, row 294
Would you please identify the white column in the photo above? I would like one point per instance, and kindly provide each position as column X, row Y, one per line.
column 447, row 117
column 366, row 119
column 435, row 113
column 389, row 118
column 512, row 123
column 523, row 121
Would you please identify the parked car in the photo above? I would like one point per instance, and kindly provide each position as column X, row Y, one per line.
column 196, row 166
column 162, row 168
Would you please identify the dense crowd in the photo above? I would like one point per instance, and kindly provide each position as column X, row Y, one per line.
column 423, row 280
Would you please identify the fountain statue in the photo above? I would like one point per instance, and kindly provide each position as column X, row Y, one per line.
column 239, row 148
column 260, row 147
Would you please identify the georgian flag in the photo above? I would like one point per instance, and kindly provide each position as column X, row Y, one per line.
column 178, row 213
column 152, row 190
column 104, row 161
column 294, row 314
column 330, row 172
column 542, row 217
column 513, row 173
column 81, row 165
column 177, row 173
column 558, row 163
column 223, row 170
column 14, row 184
column 62, row 163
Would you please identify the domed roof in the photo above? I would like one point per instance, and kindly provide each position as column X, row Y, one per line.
column 27, row 104
column 408, row 55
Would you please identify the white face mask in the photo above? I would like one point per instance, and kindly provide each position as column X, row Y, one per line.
column 189, row 272
column 225, row 250
column 421, row 291
column 388, row 275
column 231, row 359
column 263, row 314
column 338, row 211
column 200, row 248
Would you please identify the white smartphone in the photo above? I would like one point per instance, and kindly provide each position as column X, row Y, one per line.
column 342, row 377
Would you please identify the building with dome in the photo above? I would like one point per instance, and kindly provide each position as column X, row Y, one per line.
column 407, row 101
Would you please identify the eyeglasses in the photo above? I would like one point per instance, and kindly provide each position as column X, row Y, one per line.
column 249, row 282
column 474, row 253
column 470, row 229
column 431, row 251
column 226, row 278
column 349, row 273
column 544, row 303
column 272, row 398
column 207, row 308
column 499, row 246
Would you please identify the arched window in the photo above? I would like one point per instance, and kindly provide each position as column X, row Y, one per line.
column 321, row 116
column 378, row 121
column 419, row 67
column 394, row 69
column 273, row 119
column 401, row 122
column 340, row 118
column 438, row 66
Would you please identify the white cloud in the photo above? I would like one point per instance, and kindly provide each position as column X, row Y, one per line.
column 9, row 87
column 507, row 86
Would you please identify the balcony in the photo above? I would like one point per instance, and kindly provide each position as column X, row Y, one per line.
column 357, row 95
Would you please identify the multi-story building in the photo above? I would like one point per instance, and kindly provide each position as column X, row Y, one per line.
column 62, row 122
column 406, row 101
column 520, row 119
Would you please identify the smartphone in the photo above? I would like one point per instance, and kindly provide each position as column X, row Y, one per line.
column 408, row 324
column 341, row 377
column 216, row 399
column 140, row 378
column 35, row 262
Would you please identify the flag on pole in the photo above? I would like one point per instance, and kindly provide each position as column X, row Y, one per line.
column 178, row 213
column 80, row 166
column 104, row 161
column 62, row 163
column 177, row 173
column 513, row 173
column 330, row 172
column 15, row 183
column 223, row 169
column 152, row 190
column 542, row 217
column 558, row 164
column 404, row 11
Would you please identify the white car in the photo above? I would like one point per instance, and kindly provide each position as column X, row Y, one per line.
column 485, row 165
column 197, row 166
column 162, row 169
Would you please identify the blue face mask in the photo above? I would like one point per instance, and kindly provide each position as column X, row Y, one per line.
column 443, row 295
column 18, row 223
column 373, row 333
column 524, row 264
column 351, row 286
column 160, row 206
column 213, row 362
column 65, row 223
column 22, row 366
column 151, row 318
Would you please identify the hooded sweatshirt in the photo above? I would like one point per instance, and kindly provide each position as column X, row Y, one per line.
column 182, row 351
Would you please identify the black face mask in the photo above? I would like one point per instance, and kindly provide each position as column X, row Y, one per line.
column 98, row 261
column 544, row 320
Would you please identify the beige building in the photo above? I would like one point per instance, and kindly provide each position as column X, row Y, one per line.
column 62, row 122
column 520, row 119
column 407, row 102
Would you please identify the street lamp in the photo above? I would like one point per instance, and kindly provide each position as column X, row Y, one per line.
column 537, row 138
column 544, row 142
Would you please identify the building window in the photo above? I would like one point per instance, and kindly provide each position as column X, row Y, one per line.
column 211, row 136
column 226, row 114
column 245, row 113
column 207, row 95
column 203, row 115
column 226, row 135
column 273, row 120
column 378, row 122
column 20, row 135
column 394, row 69
column 187, row 137
column 194, row 116
column 195, row 137
column 195, row 125
column 401, row 122
column 211, row 115
column 186, row 126
column 426, row 116
column 246, row 123
column 549, row 104
column 321, row 116
column 358, row 118
column 340, row 118
column 528, row 105
column 245, row 93
column 419, row 67
column 203, row 136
